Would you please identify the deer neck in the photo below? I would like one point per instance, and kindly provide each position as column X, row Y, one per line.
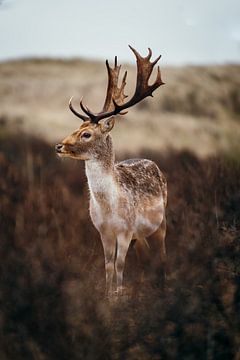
column 100, row 173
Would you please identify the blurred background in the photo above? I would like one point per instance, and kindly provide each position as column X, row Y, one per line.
column 52, row 270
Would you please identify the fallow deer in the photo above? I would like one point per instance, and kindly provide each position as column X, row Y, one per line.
column 128, row 198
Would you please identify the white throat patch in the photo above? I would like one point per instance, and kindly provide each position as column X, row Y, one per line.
column 101, row 181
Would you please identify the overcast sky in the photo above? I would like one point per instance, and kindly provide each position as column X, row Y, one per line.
column 183, row 31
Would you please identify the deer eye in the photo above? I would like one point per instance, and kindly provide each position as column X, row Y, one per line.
column 86, row 135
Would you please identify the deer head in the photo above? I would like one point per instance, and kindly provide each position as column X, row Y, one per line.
column 88, row 141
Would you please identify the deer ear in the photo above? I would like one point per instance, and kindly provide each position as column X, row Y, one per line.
column 106, row 125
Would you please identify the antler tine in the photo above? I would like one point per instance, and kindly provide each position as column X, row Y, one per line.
column 107, row 65
column 82, row 117
column 123, row 84
column 87, row 111
column 155, row 61
column 135, row 52
column 149, row 54
column 159, row 78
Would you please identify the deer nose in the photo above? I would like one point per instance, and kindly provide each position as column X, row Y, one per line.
column 58, row 147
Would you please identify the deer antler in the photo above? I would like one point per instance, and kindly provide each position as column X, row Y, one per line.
column 115, row 96
column 113, row 92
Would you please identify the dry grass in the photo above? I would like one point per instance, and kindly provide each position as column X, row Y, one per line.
column 52, row 272
column 197, row 110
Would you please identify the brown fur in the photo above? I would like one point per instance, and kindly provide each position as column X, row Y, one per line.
column 127, row 199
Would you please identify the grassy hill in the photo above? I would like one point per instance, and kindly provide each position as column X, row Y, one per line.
column 198, row 109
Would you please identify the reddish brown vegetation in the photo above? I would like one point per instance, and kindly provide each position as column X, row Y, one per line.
column 52, row 275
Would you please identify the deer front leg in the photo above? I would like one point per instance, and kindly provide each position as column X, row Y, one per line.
column 123, row 242
column 109, row 247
